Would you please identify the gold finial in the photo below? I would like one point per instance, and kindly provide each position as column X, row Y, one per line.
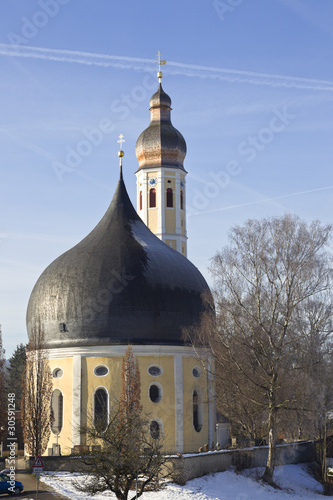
column 121, row 152
column 160, row 62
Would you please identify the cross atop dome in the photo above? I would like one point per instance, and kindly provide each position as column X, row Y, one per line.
column 160, row 62
column 121, row 152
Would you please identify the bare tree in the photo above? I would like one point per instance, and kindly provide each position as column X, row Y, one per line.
column 36, row 399
column 273, row 304
column 124, row 453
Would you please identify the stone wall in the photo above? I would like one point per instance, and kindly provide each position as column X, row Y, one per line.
column 199, row 464
column 205, row 463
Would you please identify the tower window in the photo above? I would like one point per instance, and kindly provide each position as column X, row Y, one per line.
column 152, row 198
column 197, row 410
column 140, row 204
column 181, row 200
column 169, row 198
column 57, row 410
column 101, row 409
column 155, row 393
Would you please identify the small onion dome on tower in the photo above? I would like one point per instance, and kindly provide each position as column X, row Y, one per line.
column 120, row 284
column 161, row 144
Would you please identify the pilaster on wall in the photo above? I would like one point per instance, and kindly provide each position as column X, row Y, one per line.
column 77, row 400
column 179, row 404
column 211, row 403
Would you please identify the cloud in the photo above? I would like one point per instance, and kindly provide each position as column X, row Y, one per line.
column 190, row 70
column 263, row 200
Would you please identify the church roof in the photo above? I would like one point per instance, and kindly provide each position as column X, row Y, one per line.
column 120, row 284
column 160, row 144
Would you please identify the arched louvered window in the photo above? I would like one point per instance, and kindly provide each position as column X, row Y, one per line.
column 57, row 402
column 181, row 200
column 101, row 408
column 140, row 203
column 152, row 198
column 197, row 410
column 169, row 198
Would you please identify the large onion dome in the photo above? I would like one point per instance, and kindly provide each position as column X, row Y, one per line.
column 120, row 284
column 161, row 144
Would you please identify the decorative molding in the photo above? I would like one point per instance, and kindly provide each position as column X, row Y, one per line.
column 119, row 350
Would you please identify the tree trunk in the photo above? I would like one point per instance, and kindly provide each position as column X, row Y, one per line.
column 270, row 465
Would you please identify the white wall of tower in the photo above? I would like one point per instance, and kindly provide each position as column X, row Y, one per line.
column 167, row 223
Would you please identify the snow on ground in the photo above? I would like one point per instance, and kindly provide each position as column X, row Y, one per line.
column 295, row 481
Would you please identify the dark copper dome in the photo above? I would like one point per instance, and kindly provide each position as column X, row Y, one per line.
column 160, row 98
column 161, row 144
column 120, row 284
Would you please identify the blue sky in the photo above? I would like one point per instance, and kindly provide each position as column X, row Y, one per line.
column 251, row 84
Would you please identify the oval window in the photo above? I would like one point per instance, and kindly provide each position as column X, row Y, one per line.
column 155, row 393
column 57, row 373
column 101, row 371
column 196, row 372
column 155, row 370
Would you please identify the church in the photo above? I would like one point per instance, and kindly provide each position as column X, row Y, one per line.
column 129, row 282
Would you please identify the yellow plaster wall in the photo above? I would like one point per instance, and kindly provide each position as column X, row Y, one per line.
column 193, row 440
column 165, row 409
column 170, row 219
column 153, row 217
column 171, row 243
column 65, row 385
column 93, row 382
column 182, row 223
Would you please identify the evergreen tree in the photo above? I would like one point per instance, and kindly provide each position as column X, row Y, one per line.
column 15, row 372
column 130, row 385
column 3, row 405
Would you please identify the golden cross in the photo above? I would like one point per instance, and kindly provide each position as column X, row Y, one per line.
column 160, row 61
column 121, row 140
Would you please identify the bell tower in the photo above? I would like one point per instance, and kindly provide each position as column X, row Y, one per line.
column 161, row 193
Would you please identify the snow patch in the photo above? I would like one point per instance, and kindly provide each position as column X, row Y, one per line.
column 295, row 481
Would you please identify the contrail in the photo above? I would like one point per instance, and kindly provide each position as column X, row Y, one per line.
column 264, row 200
column 141, row 64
